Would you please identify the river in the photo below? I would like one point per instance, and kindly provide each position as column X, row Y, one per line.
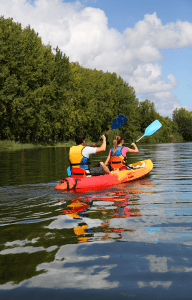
column 132, row 241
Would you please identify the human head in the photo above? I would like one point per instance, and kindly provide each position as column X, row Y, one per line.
column 79, row 138
column 118, row 139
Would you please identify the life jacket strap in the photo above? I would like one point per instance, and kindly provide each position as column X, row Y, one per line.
column 68, row 186
column 78, row 164
column 117, row 162
column 78, row 173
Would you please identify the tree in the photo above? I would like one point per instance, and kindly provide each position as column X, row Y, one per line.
column 98, row 98
column 183, row 118
column 44, row 97
column 34, row 85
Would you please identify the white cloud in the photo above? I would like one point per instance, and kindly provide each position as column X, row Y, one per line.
column 165, row 102
column 82, row 33
column 147, row 78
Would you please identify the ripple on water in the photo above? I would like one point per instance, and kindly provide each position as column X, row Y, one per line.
column 132, row 240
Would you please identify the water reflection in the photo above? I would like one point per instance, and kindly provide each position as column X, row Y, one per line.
column 101, row 209
column 131, row 240
column 43, row 240
column 155, row 284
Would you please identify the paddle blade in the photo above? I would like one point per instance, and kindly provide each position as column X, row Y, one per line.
column 69, row 171
column 152, row 128
column 119, row 121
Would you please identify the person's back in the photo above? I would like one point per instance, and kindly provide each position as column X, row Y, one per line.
column 77, row 159
column 119, row 151
column 79, row 156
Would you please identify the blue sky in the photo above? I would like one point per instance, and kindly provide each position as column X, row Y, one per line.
column 125, row 13
column 147, row 42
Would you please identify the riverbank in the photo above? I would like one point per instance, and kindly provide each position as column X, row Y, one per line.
column 12, row 145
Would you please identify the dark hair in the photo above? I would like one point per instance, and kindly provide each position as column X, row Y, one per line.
column 79, row 138
column 118, row 139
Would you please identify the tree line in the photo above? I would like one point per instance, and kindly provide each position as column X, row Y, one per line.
column 45, row 97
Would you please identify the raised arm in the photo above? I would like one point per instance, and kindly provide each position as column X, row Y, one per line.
column 102, row 148
column 135, row 150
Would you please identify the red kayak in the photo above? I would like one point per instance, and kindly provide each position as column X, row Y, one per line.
column 142, row 169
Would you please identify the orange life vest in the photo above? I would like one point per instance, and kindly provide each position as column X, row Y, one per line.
column 118, row 160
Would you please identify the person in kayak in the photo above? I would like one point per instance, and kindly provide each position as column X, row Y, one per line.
column 79, row 156
column 117, row 155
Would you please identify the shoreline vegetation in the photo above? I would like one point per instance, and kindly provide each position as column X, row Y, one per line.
column 45, row 98
column 12, row 145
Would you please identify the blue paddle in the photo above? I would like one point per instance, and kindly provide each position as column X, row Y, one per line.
column 152, row 128
column 119, row 121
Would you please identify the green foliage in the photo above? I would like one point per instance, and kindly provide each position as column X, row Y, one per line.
column 33, row 85
column 147, row 114
column 98, row 98
column 183, row 119
column 45, row 98
column 168, row 132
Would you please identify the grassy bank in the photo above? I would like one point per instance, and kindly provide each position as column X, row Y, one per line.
column 12, row 145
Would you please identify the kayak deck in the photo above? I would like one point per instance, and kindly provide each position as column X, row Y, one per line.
column 142, row 169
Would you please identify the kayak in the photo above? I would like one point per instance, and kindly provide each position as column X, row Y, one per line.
column 141, row 169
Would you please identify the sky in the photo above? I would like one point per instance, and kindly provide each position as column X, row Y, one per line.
column 146, row 42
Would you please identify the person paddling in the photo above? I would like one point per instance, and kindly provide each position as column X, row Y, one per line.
column 117, row 155
column 79, row 156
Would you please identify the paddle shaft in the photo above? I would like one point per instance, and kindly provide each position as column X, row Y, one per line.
column 139, row 139
column 100, row 140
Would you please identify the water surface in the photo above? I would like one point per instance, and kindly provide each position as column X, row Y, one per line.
column 131, row 241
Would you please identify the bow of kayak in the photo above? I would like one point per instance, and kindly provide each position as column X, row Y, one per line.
column 142, row 169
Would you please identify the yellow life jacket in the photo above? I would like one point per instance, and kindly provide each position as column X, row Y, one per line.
column 77, row 159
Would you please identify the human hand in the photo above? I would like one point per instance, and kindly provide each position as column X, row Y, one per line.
column 103, row 138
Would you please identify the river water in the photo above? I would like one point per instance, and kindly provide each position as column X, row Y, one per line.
column 132, row 241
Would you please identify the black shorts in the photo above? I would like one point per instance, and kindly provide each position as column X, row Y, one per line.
column 97, row 170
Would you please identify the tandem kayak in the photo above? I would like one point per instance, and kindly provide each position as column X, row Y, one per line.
column 143, row 168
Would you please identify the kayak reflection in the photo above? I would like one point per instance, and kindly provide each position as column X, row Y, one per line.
column 96, row 212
